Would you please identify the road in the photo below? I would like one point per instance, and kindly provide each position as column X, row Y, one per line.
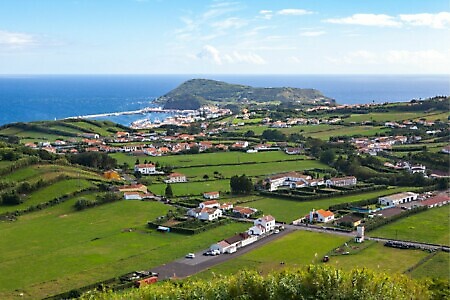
column 188, row 266
column 184, row 267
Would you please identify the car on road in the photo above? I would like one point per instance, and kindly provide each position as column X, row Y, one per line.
column 276, row 231
column 190, row 255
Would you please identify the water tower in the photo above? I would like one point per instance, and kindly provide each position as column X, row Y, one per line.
column 359, row 234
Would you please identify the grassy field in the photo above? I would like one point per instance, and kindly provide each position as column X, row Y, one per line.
column 437, row 267
column 217, row 158
column 295, row 249
column 252, row 169
column 35, row 172
column 192, row 188
column 385, row 116
column 59, row 249
column 380, row 258
column 431, row 226
column 289, row 210
column 48, row 193
column 348, row 131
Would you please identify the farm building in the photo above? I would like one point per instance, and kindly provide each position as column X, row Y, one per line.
column 397, row 199
column 438, row 200
column 133, row 188
column 243, row 212
column 342, row 181
column 211, row 195
column 320, row 215
column 175, row 177
column 146, row 169
column 349, row 220
column 209, row 204
column 291, row 179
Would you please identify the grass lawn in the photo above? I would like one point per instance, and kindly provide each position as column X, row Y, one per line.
column 348, row 131
column 192, row 188
column 384, row 116
column 31, row 172
column 252, row 169
column 430, row 226
column 217, row 158
column 59, row 249
column 289, row 210
column 48, row 193
column 295, row 249
column 437, row 267
column 380, row 258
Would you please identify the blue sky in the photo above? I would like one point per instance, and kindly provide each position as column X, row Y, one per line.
column 233, row 37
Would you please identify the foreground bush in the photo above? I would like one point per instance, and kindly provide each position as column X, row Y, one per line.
column 312, row 282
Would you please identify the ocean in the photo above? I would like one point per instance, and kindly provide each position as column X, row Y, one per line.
column 32, row 98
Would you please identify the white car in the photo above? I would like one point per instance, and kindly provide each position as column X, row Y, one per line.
column 190, row 255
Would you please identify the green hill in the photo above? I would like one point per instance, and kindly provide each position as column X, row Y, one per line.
column 196, row 92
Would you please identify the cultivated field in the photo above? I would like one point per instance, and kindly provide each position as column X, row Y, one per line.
column 437, row 267
column 430, row 226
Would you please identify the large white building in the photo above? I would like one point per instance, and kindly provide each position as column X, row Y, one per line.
column 397, row 199
column 146, row 169
column 175, row 177
column 291, row 179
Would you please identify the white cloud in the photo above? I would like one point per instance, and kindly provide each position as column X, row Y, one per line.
column 266, row 14
column 294, row 12
column 210, row 53
column 295, row 59
column 16, row 39
column 420, row 58
column 367, row 20
column 438, row 21
column 213, row 55
column 416, row 57
column 312, row 33
column 234, row 23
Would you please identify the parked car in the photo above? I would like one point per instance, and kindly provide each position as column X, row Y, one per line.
column 190, row 255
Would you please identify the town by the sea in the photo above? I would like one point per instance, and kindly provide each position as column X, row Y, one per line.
column 26, row 98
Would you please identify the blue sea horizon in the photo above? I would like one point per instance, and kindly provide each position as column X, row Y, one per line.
column 25, row 98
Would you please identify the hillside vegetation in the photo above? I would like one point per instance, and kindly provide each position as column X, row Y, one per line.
column 196, row 92
column 312, row 282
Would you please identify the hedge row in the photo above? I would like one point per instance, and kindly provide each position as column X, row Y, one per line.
column 40, row 206
column 316, row 197
column 20, row 163
column 207, row 226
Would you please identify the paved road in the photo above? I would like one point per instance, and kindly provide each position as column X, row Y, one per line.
column 188, row 266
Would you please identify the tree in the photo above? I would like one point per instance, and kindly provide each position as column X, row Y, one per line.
column 327, row 157
column 168, row 192
column 241, row 184
column 11, row 198
column 137, row 162
column 249, row 133
column 206, row 177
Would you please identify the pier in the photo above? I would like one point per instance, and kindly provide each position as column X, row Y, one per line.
column 133, row 112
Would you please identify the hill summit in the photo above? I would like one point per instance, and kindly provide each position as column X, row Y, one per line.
column 194, row 93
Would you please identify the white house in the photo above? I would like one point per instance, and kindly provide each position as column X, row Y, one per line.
column 323, row 216
column 397, row 199
column 291, row 179
column 175, row 177
column 146, row 169
column 268, row 222
column 132, row 196
column 209, row 214
column 209, row 204
column 230, row 245
column 257, row 230
column 342, row 181
column 211, row 195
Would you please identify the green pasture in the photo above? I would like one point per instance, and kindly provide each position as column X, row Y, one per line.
column 35, row 172
column 60, row 249
column 216, row 158
column 437, row 267
column 289, row 210
column 192, row 188
column 348, row 131
column 430, row 226
column 380, row 258
column 296, row 249
column 49, row 193
column 256, row 169
column 384, row 117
